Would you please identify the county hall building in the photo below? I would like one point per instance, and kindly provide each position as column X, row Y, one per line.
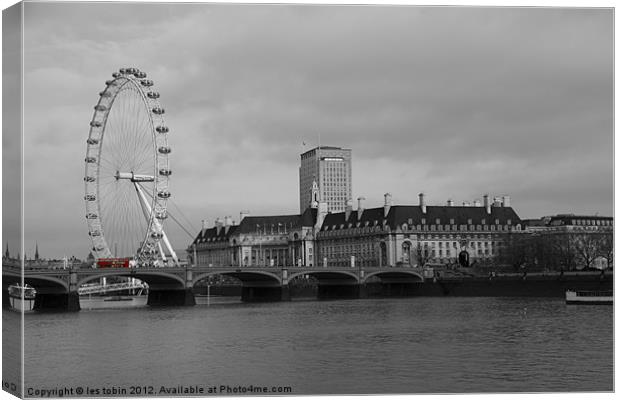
column 329, row 232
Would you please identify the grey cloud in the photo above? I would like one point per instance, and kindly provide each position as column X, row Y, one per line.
column 453, row 101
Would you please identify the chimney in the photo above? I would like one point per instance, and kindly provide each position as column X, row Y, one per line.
column 450, row 203
column 227, row 223
column 422, row 203
column 487, row 205
column 497, row 202
column 348, row 209
column 466, row 204
column 204, row 224
column 477, row 203
column 506, row 201
column 218, row 225
column 387, row 204
column 243, row 214
column 360, row 207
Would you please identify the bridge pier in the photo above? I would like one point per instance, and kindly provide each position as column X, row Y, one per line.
column 171, row 297
column 337, row 292
column 398, row 289
column 250, row 294
column 6, row 299
column 57, row 302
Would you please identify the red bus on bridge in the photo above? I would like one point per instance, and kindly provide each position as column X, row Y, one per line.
column 113, row 262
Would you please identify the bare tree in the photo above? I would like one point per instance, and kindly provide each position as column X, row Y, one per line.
column 519, row 250
column 587, row 247
column 606, row 248
column 423, row 254
column 562, row 250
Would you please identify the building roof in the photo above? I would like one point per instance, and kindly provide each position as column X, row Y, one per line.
column 268, row 223
column 413, row 215
column 215, row 235
column 259, row 225
column 535, row 222
column 323, row 148
column 567, row 219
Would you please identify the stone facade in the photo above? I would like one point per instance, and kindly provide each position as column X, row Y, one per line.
column 401, row 235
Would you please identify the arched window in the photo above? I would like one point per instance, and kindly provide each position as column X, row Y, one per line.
column 383, row 249
column 406, row 252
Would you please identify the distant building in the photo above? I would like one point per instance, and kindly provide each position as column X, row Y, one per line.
column 414, row 235
column 279, row 240
column 329, row 168
column 570, row 222
column 570, row 241
column 409, row 235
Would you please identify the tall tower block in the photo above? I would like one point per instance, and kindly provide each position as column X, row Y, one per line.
column 330, row 167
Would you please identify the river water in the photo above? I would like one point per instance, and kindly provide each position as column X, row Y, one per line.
column 410, row 345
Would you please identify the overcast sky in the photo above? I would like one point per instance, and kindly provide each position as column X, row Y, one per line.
column 454, row 102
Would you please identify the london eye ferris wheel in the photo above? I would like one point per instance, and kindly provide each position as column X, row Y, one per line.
column 127, row 172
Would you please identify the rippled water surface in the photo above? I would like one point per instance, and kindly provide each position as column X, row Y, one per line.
column 413, row 345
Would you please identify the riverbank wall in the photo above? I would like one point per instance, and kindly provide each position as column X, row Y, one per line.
column 499, row 286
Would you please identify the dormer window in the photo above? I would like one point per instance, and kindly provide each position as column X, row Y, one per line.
column 497, row 222
column 423, row 221
column 437, row 222
column 509, row 222
column 451, row 221
column 484, row 221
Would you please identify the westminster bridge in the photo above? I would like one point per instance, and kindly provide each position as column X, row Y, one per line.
column 57, row 289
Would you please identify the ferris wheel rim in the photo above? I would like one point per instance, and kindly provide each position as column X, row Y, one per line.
column 128, row 79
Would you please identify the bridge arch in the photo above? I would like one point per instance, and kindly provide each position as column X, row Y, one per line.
column 154, row 279
column 328, row 276
column 42, row 283
column 262, row 278
column 397, row 276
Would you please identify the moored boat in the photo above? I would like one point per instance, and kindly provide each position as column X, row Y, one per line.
column 21, row 298
column 118, row 298
column 17, row 291
column 589, row 297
